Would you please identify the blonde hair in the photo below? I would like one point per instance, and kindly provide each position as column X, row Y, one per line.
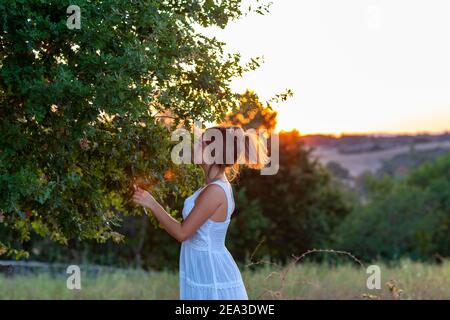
column 247, row 149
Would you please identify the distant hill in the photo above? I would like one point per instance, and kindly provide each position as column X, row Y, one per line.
column 371, row 143
column 402, row 163
column 393, row 155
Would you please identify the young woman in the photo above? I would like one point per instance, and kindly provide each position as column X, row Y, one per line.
column 207, row 269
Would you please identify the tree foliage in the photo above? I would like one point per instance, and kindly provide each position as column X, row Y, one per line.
column 299, row 207
column 80, row 109
column 402, row 218
column 252, row 113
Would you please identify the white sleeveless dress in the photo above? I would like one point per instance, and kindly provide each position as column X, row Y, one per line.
column 207, row 269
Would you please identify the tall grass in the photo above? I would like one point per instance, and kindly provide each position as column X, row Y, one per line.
column 407, row 280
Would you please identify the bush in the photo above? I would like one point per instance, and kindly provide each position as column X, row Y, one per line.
column 404, row 218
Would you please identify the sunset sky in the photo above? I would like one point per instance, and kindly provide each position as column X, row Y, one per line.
column 354, row 66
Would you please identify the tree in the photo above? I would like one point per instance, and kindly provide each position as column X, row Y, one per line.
column 299, row 206
column 252, row 114
column 337, row 170
column 406, row 217
column 80, row 109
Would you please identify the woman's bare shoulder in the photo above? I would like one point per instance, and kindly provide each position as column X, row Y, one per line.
column 213, row 193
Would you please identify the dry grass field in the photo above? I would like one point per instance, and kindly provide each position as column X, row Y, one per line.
column 406, row 280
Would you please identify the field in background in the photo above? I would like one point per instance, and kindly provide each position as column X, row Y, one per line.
column 358, row 162
column 411, row 280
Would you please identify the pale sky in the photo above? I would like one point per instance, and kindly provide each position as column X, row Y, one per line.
column 354, row 65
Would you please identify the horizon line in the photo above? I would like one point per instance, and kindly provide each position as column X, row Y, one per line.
column 369, row 133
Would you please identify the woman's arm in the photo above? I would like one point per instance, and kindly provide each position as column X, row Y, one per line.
column 206, row 204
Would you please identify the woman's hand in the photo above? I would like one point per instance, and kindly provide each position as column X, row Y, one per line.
column 143, row 198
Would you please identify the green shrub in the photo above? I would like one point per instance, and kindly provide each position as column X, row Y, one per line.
column 402, row 218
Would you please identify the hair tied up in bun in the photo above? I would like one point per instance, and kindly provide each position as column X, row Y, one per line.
column 241, row 148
